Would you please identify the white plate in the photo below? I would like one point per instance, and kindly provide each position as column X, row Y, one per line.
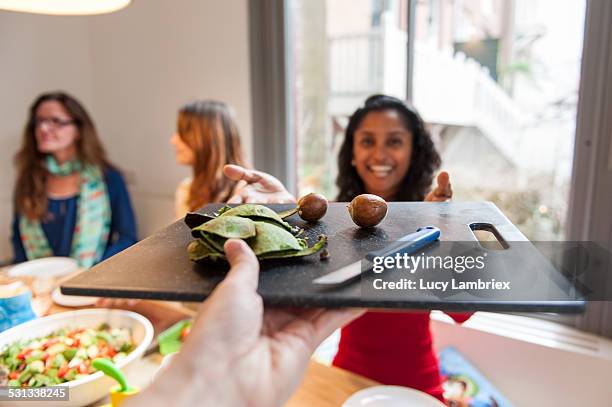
column 48, row 267
column 72, row 300
column 391, row 396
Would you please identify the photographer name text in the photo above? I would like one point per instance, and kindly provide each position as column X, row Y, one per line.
column 453, row 284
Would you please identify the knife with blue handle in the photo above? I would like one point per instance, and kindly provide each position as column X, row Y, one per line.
column 404, row 245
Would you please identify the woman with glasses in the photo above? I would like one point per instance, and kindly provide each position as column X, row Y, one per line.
column 69, row 199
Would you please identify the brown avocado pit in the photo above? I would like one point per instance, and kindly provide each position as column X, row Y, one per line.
column 367, row 210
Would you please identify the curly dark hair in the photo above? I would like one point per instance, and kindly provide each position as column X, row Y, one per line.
column 425, row 160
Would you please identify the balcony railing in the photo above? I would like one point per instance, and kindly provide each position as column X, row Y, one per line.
column 447, row 89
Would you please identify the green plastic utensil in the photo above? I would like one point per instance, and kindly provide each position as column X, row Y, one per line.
column 110, row 369
column 170, row 340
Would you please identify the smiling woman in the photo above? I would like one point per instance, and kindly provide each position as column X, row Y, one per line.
column 382, row 148
column 69, row 199
column 386, row 151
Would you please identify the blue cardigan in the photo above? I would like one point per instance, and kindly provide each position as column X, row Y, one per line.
column 60, row 228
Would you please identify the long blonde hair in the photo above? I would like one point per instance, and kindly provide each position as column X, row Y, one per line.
column 209, row 128
column 30, row 192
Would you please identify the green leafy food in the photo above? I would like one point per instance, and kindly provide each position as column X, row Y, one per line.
column 193, row 219
column 305, row 251
column 271, row 238
column 259, row 226
column 229, row 227
column 258, row 213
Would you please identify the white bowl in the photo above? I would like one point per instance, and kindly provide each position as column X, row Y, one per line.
column 391, row 396
column 95, row 386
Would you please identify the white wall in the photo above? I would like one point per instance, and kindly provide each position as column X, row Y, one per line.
column 132, row 69
column 37, row 53
column 148, row 60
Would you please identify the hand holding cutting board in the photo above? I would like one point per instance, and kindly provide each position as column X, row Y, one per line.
column 233, row 334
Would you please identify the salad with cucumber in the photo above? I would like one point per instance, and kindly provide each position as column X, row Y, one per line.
column 64, row 355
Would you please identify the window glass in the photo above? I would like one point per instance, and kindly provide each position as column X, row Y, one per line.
column 341, row 52
column 496, row 81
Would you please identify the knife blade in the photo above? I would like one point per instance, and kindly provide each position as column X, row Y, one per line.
column 405, row 245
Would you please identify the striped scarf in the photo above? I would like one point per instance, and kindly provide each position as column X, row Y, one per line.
column 92, row 227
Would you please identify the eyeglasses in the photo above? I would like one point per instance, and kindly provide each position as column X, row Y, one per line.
column 52, row 122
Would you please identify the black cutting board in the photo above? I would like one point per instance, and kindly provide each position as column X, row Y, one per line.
column 158, row 266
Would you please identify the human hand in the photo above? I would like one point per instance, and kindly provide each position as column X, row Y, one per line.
column 237, row 353
column 162, row 314
column 260, row 187
column 443, row 191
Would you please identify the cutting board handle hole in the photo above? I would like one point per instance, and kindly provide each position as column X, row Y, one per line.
column 488, row 236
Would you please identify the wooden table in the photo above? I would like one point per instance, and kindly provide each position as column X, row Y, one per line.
column 323, row 386
column 327, row 386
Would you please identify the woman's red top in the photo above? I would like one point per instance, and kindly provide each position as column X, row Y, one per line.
column 393, row 348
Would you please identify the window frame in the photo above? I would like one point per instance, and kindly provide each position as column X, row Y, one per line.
column 273, row 146
column 590, row 205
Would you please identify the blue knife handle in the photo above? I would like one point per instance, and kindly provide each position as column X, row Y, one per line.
column 409, row 243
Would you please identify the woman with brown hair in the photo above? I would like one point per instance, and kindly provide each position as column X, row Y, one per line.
column 206, row 139
column 386, row 151
column 69, row 199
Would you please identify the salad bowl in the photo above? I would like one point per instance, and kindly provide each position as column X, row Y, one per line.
column 87, row 389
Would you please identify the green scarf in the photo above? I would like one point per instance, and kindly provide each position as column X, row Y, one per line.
column 92, row 227
column 67, row 168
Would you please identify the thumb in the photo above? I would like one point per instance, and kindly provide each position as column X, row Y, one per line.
column 269, row 182
column 234, row 172
column 244, row 265
column 444, row 187
column 443, row 179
